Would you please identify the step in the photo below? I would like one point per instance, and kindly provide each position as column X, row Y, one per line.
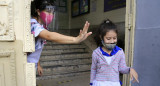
column 63, row 60
column 61, row 69
column 66, row 62
column 62, row 75
column 62, row 51
column 65, row 56
column 50, row 42
column 62, row 46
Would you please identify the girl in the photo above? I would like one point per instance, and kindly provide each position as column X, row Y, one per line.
column 108, row 59
column 42, row 15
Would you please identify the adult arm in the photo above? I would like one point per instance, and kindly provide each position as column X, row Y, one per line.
column 39, row 69
column 59, row 38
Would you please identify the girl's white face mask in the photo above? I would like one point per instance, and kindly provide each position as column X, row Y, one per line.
column 109, row 46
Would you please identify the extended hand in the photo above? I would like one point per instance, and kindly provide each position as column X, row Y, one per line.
column 134, row 74
column 83, row 33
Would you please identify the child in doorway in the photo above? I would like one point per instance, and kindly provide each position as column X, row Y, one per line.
column 108, row 60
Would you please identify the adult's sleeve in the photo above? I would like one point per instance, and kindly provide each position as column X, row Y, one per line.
column 36, row 29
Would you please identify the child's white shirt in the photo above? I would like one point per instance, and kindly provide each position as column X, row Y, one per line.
column 108, row 59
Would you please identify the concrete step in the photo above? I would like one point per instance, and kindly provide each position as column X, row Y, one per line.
column 53, row 43
column 63, row 60
column 65, row 56
column 67, row 62
column 63, row 46
column 50, row 42
column 61, row 51
column 62, row 69
column 73, row 74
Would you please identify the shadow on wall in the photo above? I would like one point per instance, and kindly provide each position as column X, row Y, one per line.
column 121, row 34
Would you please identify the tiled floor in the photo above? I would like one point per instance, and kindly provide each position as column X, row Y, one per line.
column 82, row 80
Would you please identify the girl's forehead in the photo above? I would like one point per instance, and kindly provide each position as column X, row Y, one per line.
column 111, row 32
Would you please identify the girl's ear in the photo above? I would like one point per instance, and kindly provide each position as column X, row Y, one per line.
column 38, row 12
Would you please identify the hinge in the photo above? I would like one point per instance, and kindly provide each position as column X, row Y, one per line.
column 129, row 21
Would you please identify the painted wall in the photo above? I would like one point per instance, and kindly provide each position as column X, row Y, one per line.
column 61, row 16
column 97, row 16
column 60, row 21
column 146, row 43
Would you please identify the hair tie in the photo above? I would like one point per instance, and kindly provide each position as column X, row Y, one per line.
column 107, row 21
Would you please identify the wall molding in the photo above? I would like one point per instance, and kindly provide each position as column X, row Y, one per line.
column 9, row 54
column 28, row 37
column 7, row 23
column 30, row 74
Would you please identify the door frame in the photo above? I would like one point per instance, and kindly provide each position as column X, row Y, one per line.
column 129, row 37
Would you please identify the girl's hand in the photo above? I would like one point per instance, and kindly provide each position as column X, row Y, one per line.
column 40, row 70
column 134, row 74
column 83, row 33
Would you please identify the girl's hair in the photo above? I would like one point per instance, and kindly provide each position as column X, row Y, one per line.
column 41, row 5
column 104, row 27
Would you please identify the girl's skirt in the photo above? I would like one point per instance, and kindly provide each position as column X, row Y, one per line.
column 105, row 83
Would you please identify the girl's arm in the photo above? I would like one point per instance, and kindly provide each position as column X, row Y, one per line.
column 93, row 68
column 59, row 38
column 124, row 69
column 122, row 64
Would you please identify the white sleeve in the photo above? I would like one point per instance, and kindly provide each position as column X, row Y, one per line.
column 36, row 29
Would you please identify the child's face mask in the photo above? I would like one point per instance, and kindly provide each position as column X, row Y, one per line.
column 46, row 18
column 109, row 46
